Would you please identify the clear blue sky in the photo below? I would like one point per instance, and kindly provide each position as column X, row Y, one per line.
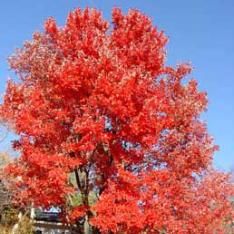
column 200, row 31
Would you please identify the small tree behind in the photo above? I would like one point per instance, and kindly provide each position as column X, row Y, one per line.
column 4, row 192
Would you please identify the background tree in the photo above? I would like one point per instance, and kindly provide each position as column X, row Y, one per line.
column 98, row 101
column 5, row 159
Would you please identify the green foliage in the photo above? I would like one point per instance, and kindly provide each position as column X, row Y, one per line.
column 76, row 199
column 9, row 216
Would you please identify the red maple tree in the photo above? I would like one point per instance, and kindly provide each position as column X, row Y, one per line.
column 97, row 101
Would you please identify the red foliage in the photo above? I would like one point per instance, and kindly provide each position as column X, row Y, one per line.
column 77, row 213
column 99, row 100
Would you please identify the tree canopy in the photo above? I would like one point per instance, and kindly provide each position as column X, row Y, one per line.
column 96, row 100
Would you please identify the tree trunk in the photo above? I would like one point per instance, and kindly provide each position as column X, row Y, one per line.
column 87, row 226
